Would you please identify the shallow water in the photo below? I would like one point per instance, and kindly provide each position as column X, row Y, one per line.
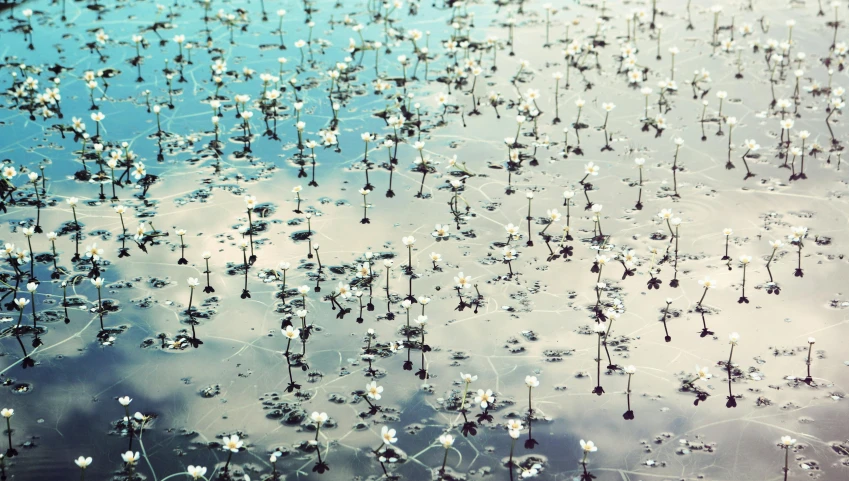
column 538, row 321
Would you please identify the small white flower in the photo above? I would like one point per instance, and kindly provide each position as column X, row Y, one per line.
column 130, row 457
column 484, row 398
column 196, row 472
column 388, row 435
column 463, row 282
column 734, row 338
column 232, row 443
column 373, row 391
column 588, row 446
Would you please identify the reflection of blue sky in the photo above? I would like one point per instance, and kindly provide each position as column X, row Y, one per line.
column 77, row 380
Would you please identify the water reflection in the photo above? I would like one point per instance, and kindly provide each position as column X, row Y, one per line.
column 285, row 155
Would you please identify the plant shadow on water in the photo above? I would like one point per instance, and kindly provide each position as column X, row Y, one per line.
column 364, row 240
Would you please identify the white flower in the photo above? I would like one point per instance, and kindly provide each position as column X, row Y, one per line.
column 192, row 281
column 98, row 282
column 93, row 252
column 319, row 418
column 531, row 381
column 787, row 441
column 591, row 169
column 139, row 170
column 7, row 413
column 373, row 390
column 630, row 369
column 388, row 435
column 303, row 290
column 232, row 443
column 291, row 332
column 588, row 446
column 811, row 340
column 798, row 233
column 441, row 231
column 446, row 440
column 703, row 373
column 82, row 462
column 734, row 338
column 31, row 287
column 463, row 282
column 468, row 378
column 707, row 282
column 745, row 259
column 130, row 457
column 196, row 472
column 485, row 398
column 408, row 241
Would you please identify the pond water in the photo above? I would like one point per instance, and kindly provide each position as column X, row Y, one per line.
column 490, row 152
